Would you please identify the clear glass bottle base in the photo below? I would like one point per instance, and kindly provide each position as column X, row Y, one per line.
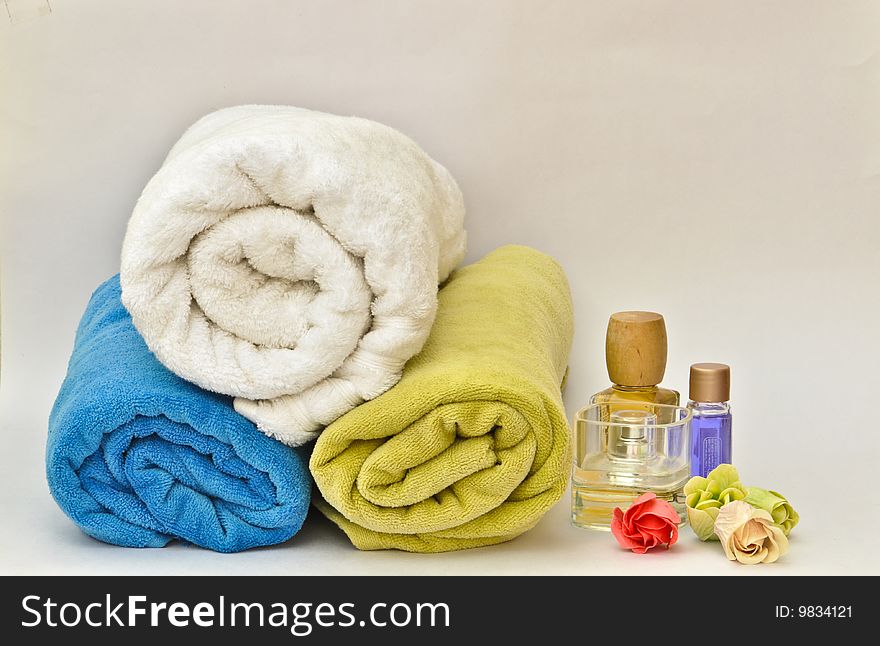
column 593, row 508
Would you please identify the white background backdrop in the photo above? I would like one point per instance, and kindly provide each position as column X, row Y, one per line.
column 718, row 162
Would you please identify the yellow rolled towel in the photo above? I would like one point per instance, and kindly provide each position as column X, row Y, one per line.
column 471, row 447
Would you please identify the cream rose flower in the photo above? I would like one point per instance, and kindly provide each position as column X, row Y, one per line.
column 749, row 535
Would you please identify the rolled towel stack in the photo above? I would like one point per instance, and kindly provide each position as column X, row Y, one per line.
column 279, row 283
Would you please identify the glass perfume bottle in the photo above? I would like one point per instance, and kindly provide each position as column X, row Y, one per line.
column 635, row 355
column 622, row 453
column 712, row 423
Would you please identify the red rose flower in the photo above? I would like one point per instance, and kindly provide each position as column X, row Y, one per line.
column 646, row 524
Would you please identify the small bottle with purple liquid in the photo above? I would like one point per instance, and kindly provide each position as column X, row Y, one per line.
column 712, row 421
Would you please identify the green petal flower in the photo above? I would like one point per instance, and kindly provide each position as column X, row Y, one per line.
column 706, row 496
column 780, row 509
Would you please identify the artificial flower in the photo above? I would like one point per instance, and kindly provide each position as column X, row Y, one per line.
column 706, row 496
column 780, row 509
column 748, row 534
column 647, row 523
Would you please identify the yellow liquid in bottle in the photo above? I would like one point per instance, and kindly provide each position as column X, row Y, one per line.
column 629, row 397
column 600, row 484
column 629, row 394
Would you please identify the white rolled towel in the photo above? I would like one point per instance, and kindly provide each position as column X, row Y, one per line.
column 291, row 258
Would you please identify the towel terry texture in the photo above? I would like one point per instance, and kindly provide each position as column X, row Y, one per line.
column 291, row 259
column 137, row 456
column 471, row 447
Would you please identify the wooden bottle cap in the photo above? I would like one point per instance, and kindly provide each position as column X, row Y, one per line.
column 635, row 348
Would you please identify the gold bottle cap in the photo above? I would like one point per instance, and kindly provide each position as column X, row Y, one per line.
column 635, row 348
column 710, row 382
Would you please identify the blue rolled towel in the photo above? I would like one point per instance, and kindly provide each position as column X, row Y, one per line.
column 137, row 456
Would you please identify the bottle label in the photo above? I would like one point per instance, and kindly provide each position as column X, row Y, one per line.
column 711, row 457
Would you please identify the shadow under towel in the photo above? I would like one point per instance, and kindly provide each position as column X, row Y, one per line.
column 471, row 447
column 137, row 456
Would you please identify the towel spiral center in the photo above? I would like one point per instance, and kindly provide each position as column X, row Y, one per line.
column 274, row 276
